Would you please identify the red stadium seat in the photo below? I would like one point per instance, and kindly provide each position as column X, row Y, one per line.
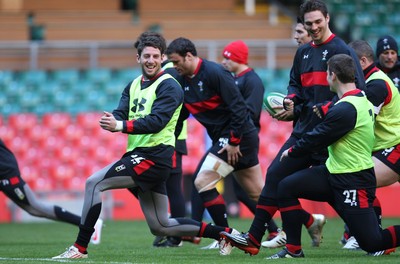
column 22, row 122
column 85, row 167
column 56, row 121
column 37, row 134
column 189, row 164
column 89, row 121
column 104, row 155
column 67, row 154
column 18, row 145
column 120, row 142
column 30, row 174
column 38, row 176
column 46, row 163
column 61, row 174
column 51, row 144
column 75, row 184
column 31, row 157
column 86, row 145
column 7, row 133
column 72, row 134
column 265, row 119
column 194, row 127
column 196, row 139
column 44, row 184
column 106, row 137
column 114, row 142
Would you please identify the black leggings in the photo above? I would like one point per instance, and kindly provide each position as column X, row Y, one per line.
column 314, row 184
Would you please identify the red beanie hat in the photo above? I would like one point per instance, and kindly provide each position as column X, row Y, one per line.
column 236, row 51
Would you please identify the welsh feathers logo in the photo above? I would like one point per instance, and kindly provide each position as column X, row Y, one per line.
column 136, row 159
column 324, row 54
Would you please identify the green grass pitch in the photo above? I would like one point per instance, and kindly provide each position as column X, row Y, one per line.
column 131, row 242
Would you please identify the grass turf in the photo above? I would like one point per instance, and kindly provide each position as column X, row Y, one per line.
column 131, row 242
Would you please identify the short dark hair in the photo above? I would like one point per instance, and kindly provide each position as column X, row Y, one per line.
column 150, row 39
column 362, row 49
column 299, row 20
column 181, row 46
column 313, row 5
column 343, row 66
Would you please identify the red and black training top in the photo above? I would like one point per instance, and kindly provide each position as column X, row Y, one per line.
column 213, row 98
column 308, row 85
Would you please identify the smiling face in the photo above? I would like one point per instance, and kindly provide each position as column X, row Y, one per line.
column 317, row 25
column 150, row 61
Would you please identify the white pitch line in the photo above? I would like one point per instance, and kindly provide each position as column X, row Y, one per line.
column 60, row 260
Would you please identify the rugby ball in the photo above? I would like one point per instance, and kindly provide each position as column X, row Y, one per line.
column 271, row 100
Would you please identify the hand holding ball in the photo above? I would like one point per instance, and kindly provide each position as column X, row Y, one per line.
column 273, row 102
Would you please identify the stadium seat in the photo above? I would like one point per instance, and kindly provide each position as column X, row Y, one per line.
column 46, row 163
column 6, row 77
column 189, row 164
column 87, row 141
column 29, row 100
column 97, row 100
column 32, row 76
column 97, row 75
column 31, row 157
column 75, row 184
column 196, row 147
column 3, row 98
column 195, row 128
column 114, row 88
column 67, row 154
column 118, row 143
column 266, row 75
column 272, row 149
column 283, row 73
column 126, row 75
column 277, row 85
column 37, row 134
column 103, row 155
column 51, row 144
column 49, row 88
column 391, row 19
column 66, row 76
column 9, row 109
column 195, row 141
column 78, row 108
column 61, row 174
column 18, row 145
column 63, row 101
column 7, row 133
column 30, row 174
column 22, row 121
column 265, row 119
column 72, row 134
column 57, row 121
column 89, row 121
column 44, row 184
column 84, row 167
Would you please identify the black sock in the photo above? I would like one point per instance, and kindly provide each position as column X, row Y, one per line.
column 66, row 216
column 215, row 204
